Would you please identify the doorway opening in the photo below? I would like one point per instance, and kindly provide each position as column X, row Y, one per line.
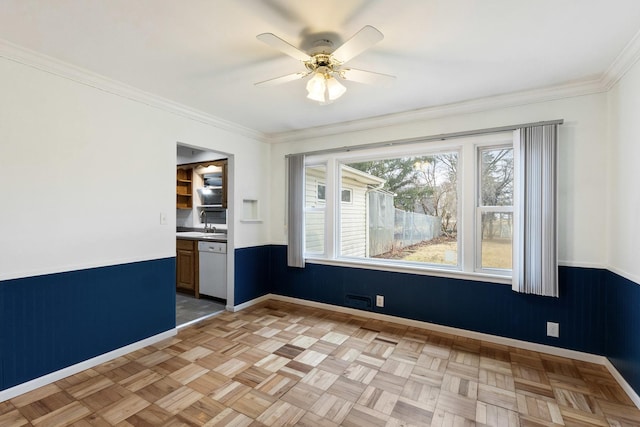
column 204, row 231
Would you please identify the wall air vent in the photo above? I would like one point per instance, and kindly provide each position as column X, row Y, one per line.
column 358, row 301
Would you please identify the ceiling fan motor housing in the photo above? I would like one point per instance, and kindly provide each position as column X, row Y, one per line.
column 322, row 60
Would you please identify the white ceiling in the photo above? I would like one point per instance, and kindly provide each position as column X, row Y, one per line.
column 204, row 53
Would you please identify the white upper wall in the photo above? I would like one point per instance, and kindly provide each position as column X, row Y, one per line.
column 85, row 175
column 624, row 171
column 582, row 177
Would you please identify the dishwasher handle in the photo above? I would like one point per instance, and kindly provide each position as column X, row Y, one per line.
column 212, row 247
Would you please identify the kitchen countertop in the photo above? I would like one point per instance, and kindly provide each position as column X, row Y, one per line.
column 199, row 235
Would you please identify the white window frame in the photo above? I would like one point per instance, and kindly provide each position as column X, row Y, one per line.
column 318, row 184
column 350, row 191
column 468, row 149
column 481, row 209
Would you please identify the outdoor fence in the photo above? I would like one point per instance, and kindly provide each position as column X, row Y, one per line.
column 391, row 228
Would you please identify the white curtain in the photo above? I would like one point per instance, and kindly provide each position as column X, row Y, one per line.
column 295, row 210
column 535, row 247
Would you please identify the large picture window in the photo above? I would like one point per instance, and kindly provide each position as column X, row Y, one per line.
column 436, row 206
column 407, row 209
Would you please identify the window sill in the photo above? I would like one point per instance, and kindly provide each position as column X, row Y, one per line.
column 424, row 271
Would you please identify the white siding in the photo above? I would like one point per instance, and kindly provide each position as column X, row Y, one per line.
column 314, row 211
column 353, row 239
column 353, row 220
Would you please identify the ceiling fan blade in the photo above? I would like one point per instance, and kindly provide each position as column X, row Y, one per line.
column 368, row 77
column 361, row 41
column 282, row 79
column 284, row 47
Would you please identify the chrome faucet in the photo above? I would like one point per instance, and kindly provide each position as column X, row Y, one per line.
column 203, row 213
column 207, row 227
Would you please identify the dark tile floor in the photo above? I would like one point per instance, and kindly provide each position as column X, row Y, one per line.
column 189, row 308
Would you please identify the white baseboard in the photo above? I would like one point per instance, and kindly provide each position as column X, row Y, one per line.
column 541, row 348
column 623, row 383
column 12, row 392
column 200, row 319
column 249, row 303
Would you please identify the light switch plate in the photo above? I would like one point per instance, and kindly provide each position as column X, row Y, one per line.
column 163, row 218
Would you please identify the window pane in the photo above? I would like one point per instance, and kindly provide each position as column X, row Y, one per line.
column 346, row 196
column 497, row 235
column 496, row 177
column 314, row 212
column 314, row 232
column 321, row 190
column 402, row 209
column 315, row 186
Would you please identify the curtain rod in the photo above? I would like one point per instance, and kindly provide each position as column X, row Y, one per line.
column 440, row 137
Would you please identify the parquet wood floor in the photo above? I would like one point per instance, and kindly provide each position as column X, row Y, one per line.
column 279, row 364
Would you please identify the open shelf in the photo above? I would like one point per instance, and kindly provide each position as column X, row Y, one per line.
column 184, row 188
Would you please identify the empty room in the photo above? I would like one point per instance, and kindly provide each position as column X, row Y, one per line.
column 338, row 213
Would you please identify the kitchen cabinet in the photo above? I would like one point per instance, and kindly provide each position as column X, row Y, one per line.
column 184, row 188
column 212, row 174
column 224, row 183
column 187, row 266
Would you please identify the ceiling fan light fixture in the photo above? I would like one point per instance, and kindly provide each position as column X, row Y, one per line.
column 335, row 88
column 316, row 88
column 324, row 88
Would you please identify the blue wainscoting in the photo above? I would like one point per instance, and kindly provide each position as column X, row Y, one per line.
column 53, row 321
column 252, row 273
column 623, row 327
column 471, row 305
column 598, row 311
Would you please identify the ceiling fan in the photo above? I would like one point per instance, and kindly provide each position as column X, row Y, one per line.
column 326, row 65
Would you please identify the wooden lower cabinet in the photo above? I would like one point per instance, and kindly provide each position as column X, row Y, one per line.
column 187, row 270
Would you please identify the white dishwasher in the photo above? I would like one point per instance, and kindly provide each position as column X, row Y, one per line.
column 213, row 269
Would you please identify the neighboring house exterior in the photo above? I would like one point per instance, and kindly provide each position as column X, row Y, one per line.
column 353, row 210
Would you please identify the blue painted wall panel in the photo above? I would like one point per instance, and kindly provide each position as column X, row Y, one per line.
column 252, row 273
column 471, row 305
column 53, row 321
column 623, row 326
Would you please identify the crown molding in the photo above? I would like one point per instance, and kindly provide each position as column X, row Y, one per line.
column 83, row 76
column 617, row 70
column 623, row 63
column 551, row 93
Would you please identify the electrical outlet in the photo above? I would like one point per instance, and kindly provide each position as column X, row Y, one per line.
column 163, row 218
column 379, row 300
column 553, row 329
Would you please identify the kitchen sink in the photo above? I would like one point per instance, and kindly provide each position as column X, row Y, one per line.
column 214, row 235
column 202, row 235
